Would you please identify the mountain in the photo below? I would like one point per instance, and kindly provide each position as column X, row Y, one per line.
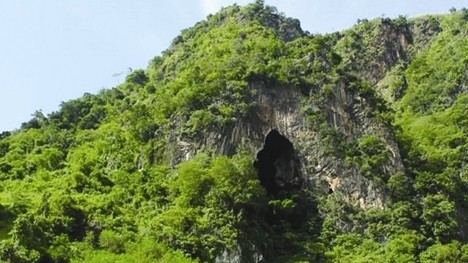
column 251, row 140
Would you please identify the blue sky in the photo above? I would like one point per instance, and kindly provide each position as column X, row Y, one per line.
column 55, row 50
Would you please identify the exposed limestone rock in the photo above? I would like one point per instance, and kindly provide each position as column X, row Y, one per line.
column 236, row 255
column 279, row 108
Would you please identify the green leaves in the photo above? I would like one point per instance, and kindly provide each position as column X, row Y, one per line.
column 451, row 252
column 439, row 216
column 435, row 83
column 100, row 180
column 212, row 199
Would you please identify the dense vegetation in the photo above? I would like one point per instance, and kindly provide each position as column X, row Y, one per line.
column 97, row 181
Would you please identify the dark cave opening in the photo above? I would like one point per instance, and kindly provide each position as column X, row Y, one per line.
column 292, row 209
column 277, row 165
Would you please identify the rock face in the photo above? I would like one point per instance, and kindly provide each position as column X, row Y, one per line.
column 293, row 149
column 350, row 114
column 384, row 46
column 238, row 255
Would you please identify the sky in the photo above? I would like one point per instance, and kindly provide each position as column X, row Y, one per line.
column 52, row 51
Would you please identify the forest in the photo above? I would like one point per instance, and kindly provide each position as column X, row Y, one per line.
column 105, row 178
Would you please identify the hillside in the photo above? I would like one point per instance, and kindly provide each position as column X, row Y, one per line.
column 252, row 140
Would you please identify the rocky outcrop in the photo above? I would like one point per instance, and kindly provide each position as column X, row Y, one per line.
column 381, row 45
column 279, row 109
column 240, row 255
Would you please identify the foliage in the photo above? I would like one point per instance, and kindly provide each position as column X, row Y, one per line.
column 99, row 180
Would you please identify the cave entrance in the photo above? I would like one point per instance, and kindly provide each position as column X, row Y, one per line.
column 277, row 165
